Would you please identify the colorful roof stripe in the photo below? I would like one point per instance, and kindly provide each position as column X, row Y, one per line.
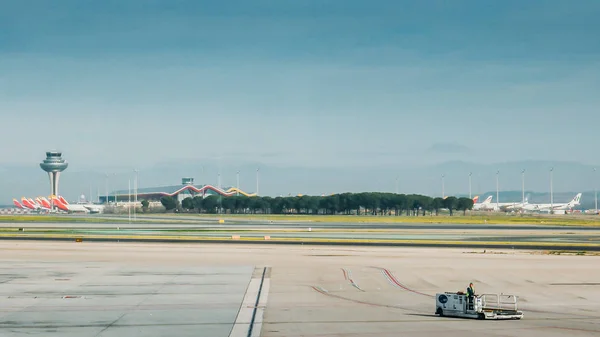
column 177, row 189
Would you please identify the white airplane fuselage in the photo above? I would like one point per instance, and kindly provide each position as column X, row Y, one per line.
column 554, row 206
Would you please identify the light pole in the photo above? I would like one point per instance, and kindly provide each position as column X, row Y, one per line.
column 443, row 187
column 129, row 198
column 470, row 196
column 257, row 181
column 523, row 188
column 106, row 200
column 595, row 193
column 135, row 189
column 238, row 183
column 497, row 190
column 396, row 185
column 220, row 195
column 551, row 192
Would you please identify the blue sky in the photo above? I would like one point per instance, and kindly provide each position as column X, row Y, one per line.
column 319, row 84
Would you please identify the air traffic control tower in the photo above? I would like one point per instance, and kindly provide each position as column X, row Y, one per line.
column 54, row 164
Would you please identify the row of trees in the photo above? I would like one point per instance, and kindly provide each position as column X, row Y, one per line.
column 345, row 203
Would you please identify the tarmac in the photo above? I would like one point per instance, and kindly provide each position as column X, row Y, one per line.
column 150, row 289
column 65, row 298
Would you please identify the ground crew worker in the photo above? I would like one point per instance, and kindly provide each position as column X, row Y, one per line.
column 470, row 290
column 470, row 295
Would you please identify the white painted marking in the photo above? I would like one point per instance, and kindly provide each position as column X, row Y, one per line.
column 244, row 317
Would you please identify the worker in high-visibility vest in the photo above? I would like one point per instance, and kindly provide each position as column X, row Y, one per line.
column 470, row 290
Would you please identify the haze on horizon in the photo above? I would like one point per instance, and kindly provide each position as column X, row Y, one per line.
column 305, row 86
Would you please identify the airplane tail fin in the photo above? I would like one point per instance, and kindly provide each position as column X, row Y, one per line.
column 488, row 200
column 63, row 200
column 25, row 202
column 475, row 199
column 59, row 204
column 45, row 202
column 18, row 204
column 576, row 201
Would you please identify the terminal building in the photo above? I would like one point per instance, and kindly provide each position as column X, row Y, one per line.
column 180, row 192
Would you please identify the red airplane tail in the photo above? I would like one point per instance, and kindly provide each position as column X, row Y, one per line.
column 25, row 202
column 59, row 204
column 63, row 200
column 18, row 204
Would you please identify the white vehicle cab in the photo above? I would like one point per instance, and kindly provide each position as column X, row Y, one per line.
column 486, row 306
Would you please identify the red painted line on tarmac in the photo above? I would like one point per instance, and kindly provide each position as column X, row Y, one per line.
column 388, row 274
column 327, row 293
column 348, row 277
column 345, row 274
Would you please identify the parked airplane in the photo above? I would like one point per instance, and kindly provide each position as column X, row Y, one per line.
column 43, row 204
column 63, row 205
column 488, row 205
column 481, row 205
column 28, row 203
column 18, row 204
column 554, row 206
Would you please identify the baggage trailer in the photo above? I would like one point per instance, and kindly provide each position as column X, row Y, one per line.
column 486, row 306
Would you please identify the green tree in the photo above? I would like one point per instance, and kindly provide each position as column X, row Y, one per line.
column 426, row 204
column 450, row 203
column 188, row 203
column 210, row 204
column 241, row 203
column 198, row 203
column 374, row 203
column 464, row 204
column 228, row 204
column 436, row 204
column 169, row 203
column 145, row 205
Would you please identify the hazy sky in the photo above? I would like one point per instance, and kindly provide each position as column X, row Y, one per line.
column 299, row 83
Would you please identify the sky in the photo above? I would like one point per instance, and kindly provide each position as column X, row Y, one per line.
column 327, row 84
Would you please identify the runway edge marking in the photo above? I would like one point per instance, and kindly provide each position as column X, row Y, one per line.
column 248, row 322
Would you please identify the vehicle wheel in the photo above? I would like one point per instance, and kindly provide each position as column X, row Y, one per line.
column 481, row 316
column 439, row 312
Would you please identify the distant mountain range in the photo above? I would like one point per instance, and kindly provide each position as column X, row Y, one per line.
column 31, row 181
